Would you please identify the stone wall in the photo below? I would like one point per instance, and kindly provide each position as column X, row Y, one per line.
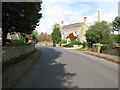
column 9, row 52
column 111, row 50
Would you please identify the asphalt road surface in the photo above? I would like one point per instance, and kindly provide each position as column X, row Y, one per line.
column 61, row 68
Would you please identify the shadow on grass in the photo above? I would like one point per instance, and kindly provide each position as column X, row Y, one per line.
column 47, row 72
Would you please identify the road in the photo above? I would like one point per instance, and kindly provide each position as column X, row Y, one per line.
column 61, row 68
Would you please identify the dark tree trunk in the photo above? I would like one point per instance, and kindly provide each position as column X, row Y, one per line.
column 4, row 38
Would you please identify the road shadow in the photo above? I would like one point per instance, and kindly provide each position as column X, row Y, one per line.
column 47, row 72
column 55, row 75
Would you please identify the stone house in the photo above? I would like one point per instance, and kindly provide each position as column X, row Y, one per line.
column 78, row 29
column 13, row 36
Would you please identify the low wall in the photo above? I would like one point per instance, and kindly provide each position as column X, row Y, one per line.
column 111, row 50
column 45, row 43
column 9, row 52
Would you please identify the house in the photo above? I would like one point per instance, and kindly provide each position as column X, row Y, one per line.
column 78, row 29
column 12, row 36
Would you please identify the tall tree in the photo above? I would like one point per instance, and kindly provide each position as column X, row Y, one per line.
column 100, row 32
column 20, row 17
column 56, row 35
column 116, row 24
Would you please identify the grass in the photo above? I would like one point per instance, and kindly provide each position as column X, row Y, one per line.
column 22, row 61
column 81, row 49
column 111, row 60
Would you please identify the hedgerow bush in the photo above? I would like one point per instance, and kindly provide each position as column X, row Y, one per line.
column 70, row 44
column 16, row 41
column 77, row 43
column 54, row 45
column 63, row 41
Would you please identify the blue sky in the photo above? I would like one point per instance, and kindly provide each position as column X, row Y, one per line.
column 74, row 11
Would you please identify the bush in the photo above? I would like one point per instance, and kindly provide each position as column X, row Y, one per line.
column 54, row 45
column 84, row 44
column 77, row 43
column 63, row 41
column 16, row 41
column 70, row 44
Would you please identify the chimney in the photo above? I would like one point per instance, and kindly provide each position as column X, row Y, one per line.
column 85, row 19
column 62, row 22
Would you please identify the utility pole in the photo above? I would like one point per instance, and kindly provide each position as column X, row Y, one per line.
column 98, row 16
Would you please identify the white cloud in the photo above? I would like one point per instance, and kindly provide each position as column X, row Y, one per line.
column 54, row 11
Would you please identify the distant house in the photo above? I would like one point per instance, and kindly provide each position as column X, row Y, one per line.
column 78, row 29
column 12, row 36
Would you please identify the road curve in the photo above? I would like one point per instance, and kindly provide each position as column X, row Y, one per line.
column 61, row 68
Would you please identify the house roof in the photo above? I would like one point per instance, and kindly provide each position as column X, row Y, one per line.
column 73, row 25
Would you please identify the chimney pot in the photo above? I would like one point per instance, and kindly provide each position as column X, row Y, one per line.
column 85, row 19
column 62, row 22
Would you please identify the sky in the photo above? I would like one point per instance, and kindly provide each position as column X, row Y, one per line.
column 74, row 11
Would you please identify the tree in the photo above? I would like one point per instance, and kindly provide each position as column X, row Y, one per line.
column 116, row 37
column 100, row 32
column 56, row 35
column 20, row 17
column 42, row 37
column 116, row 24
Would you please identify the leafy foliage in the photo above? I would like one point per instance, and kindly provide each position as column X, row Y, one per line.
column 116, row 24
column 16, row 41
column 34, row 35
column 63, row 41
column 70, row 44
column 116, row 37
column 56, row 35
column 54, row 44
column 44, row 37
column 77, row 43
column 20, row 17
column 72, row 37
column 100, row 32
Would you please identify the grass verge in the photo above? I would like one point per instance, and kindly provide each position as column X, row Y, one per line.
column 81, row 49
column 14, row 61
column 111, row 60
column 12, row 75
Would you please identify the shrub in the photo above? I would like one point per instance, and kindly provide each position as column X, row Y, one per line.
column 63, row 41
column 70, row 44
column 16, row 41
column 84, row 44
column 77, row 43
column 54, row 45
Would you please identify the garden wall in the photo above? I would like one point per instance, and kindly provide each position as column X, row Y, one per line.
column 9, row 52
column 111, row 50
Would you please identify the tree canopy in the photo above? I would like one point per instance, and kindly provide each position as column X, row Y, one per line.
column 116, row 24
column 20, row 17
column 44, row 37
column 56, row 35
column 100, row 32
